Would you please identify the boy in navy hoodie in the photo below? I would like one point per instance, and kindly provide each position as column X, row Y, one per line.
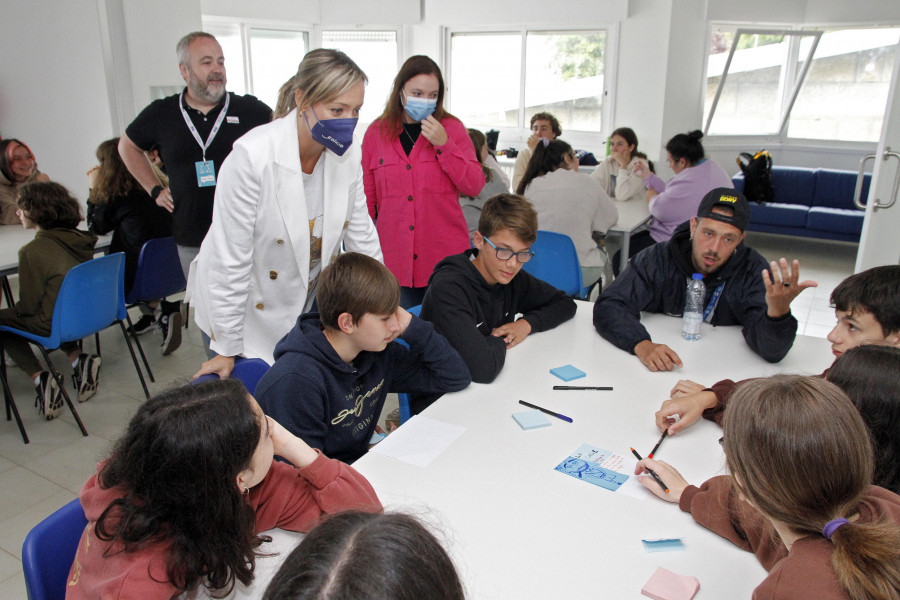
column 333, row 370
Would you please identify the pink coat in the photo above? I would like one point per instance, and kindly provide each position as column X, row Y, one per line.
column 415, row 199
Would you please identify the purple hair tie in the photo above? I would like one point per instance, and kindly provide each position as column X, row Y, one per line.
column 832, row 526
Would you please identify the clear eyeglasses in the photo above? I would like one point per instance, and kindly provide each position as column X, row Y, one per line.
column 505, row 253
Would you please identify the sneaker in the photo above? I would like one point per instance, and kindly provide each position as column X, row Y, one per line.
column 86, row 376
column 145, row 323
column 170, row 327
column 49, row 399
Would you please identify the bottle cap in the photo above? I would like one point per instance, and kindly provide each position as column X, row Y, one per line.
column 697, row 276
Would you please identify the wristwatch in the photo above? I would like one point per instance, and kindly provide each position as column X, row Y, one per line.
column 156, row 191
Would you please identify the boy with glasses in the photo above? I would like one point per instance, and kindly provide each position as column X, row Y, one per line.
column 482, row 301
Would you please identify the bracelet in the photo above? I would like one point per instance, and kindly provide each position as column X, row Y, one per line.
column 156, row 191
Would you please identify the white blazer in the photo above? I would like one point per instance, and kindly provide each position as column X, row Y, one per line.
column 251, row 277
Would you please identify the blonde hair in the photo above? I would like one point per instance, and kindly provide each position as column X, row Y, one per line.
column 800, row 452
column 323, row 74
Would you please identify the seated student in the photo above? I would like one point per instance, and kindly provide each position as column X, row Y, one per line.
column 736, row 293
column 867, row 307
column 870, row 376
column 53, row 213
column 544, row 126
column 799, row 495
column 157, row 528
column 495, row 182
column 401, row 560
column 482, row 301
column 569, row 202
column 333, row 370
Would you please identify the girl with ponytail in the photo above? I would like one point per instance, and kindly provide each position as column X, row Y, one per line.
column 800, row 494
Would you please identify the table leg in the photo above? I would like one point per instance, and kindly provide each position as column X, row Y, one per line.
column 7, row 291
column 623, row 253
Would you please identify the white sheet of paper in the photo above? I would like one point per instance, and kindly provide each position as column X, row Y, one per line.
column 419, row 441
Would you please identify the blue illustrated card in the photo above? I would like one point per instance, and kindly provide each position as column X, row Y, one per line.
column 582, row 469
column 567, row 373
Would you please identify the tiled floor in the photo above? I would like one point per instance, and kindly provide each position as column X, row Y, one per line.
column 38, row 478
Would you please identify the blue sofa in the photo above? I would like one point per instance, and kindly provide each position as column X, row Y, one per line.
column 814, row 203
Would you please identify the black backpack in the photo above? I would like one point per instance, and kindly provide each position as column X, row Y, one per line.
column 757, row 170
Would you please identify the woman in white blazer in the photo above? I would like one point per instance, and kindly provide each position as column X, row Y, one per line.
column 288, row 196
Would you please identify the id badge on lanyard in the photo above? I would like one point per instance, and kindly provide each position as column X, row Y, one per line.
column 206, row 169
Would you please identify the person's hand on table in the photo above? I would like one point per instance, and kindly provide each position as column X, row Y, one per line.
column 513, row 333
column 434, row 132
column 220, row 365
column 782, row 286
column 657, row 357
column 689, row 409
column 685, row 387
column 669, row 475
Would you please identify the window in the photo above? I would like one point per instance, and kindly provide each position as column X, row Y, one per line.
column 258, row 59
column 376, row 53
column 799, row 83
column 502, row 79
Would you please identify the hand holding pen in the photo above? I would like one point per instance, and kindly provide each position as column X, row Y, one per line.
column 665, row 472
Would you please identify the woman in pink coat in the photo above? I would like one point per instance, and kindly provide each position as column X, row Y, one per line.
column 417, row 160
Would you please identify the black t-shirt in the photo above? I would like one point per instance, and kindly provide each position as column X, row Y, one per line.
column 162, row 124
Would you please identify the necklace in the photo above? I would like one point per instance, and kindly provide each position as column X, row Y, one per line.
column 411, row 138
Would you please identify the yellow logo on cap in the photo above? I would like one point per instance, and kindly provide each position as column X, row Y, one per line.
column 732, row 199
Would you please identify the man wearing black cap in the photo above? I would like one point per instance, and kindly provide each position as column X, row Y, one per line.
column 741, row 289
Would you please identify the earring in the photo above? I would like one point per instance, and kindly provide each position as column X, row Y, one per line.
column 245, row 491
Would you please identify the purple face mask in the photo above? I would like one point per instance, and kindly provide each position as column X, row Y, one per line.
column 334, row 134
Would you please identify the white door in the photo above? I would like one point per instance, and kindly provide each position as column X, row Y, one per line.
column 880, row 240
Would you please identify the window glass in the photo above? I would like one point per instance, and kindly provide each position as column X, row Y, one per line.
column 845, row 92
column 274, row 56
column 229, row 37
column 485, row 75
column 564, row 76
column 376, row 53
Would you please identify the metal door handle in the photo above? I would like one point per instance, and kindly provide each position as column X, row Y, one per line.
column 860, row 177
column 890, row 154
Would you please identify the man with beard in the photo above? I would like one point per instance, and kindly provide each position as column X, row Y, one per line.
column 740, row 289
column 194, row 130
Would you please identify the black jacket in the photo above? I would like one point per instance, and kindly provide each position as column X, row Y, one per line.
column 465, row 309
column 655, row 282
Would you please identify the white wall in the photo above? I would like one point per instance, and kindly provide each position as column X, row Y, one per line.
column 52, row 86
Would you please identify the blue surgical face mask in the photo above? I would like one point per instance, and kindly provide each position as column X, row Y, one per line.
column 419, row 109
column 334, row 134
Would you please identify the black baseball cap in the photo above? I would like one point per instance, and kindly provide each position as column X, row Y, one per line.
column 726, row 198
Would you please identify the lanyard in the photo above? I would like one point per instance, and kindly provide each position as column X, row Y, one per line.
column 713, row 301
column 216, row 125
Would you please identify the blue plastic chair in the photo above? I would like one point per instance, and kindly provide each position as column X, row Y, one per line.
column 49, row 551
column 403, row 397
column 90, row 299
column 556, row 262
column 158, row 275
column 248, row 370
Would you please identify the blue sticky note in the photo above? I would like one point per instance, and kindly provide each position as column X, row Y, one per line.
column 663, row 545
column 531, row 419
column 592, row 473
column 567, row 373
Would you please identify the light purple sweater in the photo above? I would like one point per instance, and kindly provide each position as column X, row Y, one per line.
column 679, row 199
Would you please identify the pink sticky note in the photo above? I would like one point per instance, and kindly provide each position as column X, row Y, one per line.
column 666, row 585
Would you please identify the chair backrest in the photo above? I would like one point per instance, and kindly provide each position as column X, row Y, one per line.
column 248, row 370
column 556, row 262
column 159, row 272
column 91, row 298
column 49, row 550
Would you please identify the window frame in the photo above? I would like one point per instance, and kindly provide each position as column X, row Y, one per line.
column 522, row 130
column 781, row 136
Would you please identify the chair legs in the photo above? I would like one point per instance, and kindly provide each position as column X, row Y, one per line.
column 11, row 408
column 137, row 367
column 62, row 388
column 140, row 348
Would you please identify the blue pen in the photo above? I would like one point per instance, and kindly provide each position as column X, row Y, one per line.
column 545, row 411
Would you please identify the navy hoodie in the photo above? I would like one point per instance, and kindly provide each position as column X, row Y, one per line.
column 333, row 405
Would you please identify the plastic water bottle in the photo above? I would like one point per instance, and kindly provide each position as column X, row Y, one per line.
column 693, row 308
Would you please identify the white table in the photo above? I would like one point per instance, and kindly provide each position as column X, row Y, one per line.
column 633, row 215
column 518, row 529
